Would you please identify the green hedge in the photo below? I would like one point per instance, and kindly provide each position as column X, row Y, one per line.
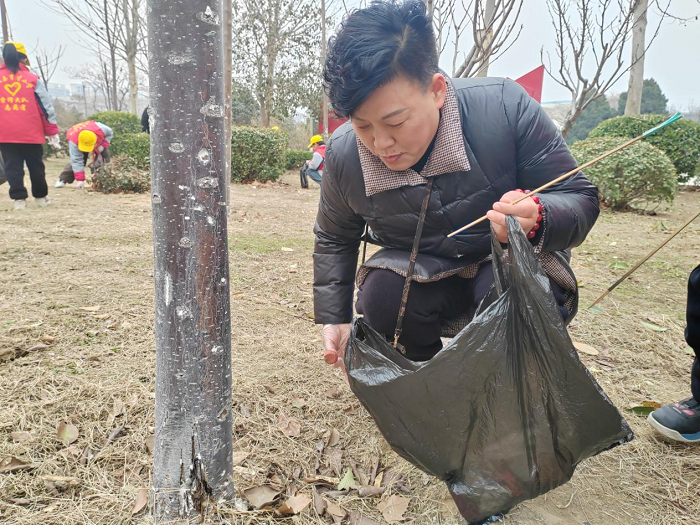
column 639, row 174
column 119, row 121
column 136, row 146
column 121, row 175
column 257, row 154
column 295, row 158
column 680, row 140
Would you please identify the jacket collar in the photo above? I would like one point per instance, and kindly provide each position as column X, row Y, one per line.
column 449, row 154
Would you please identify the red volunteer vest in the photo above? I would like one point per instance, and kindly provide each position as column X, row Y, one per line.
column 90, row 125
column 20, row 114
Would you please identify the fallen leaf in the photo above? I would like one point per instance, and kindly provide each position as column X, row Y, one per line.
column 117, row 410
column 276, row 482
column 379, row 479
column 369, row 491
column 335, row 461
column 644, row 408
column 605, row 363
column 319, row 503
column 652, row 326
column 333, row 393
column 37, row 347
column 67, row 433
column 349, row 410
column 348, row 481
column 689, row 351
column 239, row 458
column 333, row 438
column 285, row 249
column 90, row 308
column 101, row 316
column 393, row 508
column 151, row 443
column 269, row 389
column 322, row 480
column 335, row 511
column 140, row 501
column 20, row 501
column 298, row 402
column 356, row 518
column 13, row 464
column 60, row 482
column 619, row 265
column 48, row 339
column 21, row 436
column 295, row 505
column 289, row 425
column 585, row 348
column 71, row 453
column 261, row 496
column 595, row 310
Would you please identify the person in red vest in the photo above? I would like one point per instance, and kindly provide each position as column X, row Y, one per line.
column 26, row 117
column 314, row 167
column 84, row 139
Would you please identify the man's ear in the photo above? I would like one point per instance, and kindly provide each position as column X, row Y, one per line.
column 438, row 88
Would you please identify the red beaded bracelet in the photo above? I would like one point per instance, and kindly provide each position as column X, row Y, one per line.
column 531, row 234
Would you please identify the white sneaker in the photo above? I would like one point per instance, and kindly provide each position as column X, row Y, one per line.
column 42, row 202
column 21, row 204
column 59, row 184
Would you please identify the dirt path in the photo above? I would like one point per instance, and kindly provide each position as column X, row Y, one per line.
column 57, row 265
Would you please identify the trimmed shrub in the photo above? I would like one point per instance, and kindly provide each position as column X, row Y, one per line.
column 257, row 154
column 136, row 146
column 120, row 121
column 680, row 140
column 296, row 158
column 638, row 174
column 121, row 175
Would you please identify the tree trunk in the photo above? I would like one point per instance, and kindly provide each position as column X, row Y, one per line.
column 113, row 58
column 228, row 92
column 193, row 459
column 636, row 80
column 131, row 31
column 3, row 15
column 487, row 35
column 324, row 44
column 429, row 8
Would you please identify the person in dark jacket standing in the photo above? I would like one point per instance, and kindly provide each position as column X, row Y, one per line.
column 680, row 421
column 145, row 121
column 26, row 117
column 482, row 141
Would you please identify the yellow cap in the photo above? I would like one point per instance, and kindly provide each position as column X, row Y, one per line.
column 20, row 48
column 86, row 141
column 315, row 139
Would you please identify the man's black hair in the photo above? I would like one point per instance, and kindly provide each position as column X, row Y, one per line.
column 373, row 46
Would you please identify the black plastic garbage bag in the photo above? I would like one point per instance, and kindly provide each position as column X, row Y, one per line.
column 506, row 410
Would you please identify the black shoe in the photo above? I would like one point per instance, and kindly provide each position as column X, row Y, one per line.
column 679, row 421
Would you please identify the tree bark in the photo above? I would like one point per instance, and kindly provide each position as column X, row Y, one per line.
column 193, row 461
column 131, row 32
column 3, row 15
column 487, row 35
column 113, row 59
column 228, row 92
column 324, row 44
column 636, row 80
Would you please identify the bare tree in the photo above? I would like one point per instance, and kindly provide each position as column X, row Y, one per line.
column 636, row 79
column 47, row 62
column 115, row 26
column 492, row 26
column 590, row 48
column 3, row 16
column 279, row 51
column 324, row 46
column 193, row 456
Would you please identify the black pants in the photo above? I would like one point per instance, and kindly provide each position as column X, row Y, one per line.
column 379, row 297
column 692, row 330
column 67, row 174
column 14, row 156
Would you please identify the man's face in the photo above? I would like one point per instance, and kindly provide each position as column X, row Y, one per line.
column 399, row 120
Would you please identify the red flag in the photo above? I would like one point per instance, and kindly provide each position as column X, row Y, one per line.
column 532, row 83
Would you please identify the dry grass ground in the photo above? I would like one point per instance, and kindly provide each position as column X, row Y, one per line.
column 90, row 250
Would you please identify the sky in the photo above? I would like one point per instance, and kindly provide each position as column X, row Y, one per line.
column 673, row 59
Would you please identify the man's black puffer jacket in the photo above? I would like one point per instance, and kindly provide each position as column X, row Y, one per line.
column 511, row 143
